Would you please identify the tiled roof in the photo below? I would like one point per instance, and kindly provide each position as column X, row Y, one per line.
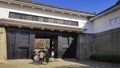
column 50, row 8
column 118, row 2
column 38, row 3
column 112, row 8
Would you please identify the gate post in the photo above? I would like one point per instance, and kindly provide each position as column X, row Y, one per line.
column 3, row 46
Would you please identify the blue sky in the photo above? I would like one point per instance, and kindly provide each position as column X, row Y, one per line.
column 81, row 5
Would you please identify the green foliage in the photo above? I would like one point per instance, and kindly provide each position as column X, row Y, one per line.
column 114, row 58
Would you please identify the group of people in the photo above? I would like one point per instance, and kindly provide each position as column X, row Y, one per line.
column 41, row 56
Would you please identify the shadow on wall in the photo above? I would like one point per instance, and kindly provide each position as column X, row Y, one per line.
column 88, row 27
column 71, row 50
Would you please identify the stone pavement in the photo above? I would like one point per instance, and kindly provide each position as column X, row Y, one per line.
column 58, row 63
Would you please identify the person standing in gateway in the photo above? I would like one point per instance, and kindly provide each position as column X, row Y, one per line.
column 47, row 56
column 41, row 56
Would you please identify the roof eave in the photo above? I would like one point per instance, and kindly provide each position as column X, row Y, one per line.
column 38, row 25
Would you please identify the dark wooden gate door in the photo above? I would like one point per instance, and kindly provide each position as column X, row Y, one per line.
column 11, row 45
column 23, row 52
column 20, row 44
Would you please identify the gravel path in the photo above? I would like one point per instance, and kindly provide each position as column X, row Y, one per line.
column 59, row 63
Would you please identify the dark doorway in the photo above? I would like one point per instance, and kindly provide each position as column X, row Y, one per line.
column 47, row 41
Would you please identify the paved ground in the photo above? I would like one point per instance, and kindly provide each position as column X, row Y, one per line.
column 57, row 64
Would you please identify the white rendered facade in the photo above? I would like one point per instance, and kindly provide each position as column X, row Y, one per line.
column 6, row 8
column 107, row 22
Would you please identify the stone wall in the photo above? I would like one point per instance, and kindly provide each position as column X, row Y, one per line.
column 107, row 42
column 85, row 46
column 3, row 47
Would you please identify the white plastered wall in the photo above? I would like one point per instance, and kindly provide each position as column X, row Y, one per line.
column 107, row 22
column 6, row 8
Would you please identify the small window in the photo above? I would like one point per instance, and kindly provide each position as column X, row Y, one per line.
column 35, row 18
column 12, row 15
column 58, row 21
column 29, row 17
column 75, row 23
column 116, row 19
column 23, row 16
column 55, row 20
column 45, row 19
column 51, row 20
column 64, row 22
column 41, row 19
column 112, row 21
